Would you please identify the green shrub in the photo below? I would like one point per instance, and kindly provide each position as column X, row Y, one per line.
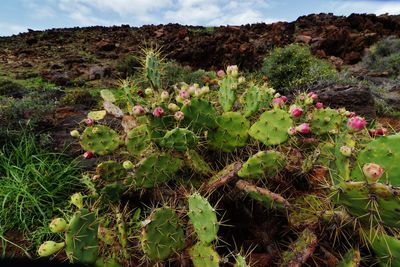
column 78, row 97
column 384, row 56
column 295, row 65
column 174, row 73
column 128, row 66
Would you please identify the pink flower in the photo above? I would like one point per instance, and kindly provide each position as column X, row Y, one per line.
column 184, row 94
column 89, row 122
column 138, row 110
column 88, row 155
column 373, row 172
column 304, row 128
column 319, row 105
column 221, row 73
column 296, row 111
column 278, row 102
column 158, row 112
column 312, row 95
column 356, row 123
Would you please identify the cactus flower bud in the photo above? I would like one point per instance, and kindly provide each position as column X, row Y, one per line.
column 312, row 95
column 138, row 110
column 88, row 155
column 278, row 102
column 192, row 90
column 232, row 70
column 284, row 98
column 303, row 128
column 58, row 225
column 75, row 133
column 77, row 200
column 296, row 111
column 292, row 131
column 308, row 101
column 179, row 115
column 319, row 105
column 356, row 123
column 345, row 151
column 187, row 102
column 148, row 91
column 127, row 164
column 164, row 95
column 158, row 112
column 89, row 122
column 184, row 94
column 241, row 80
column 372, row 172
column 173, row 107
column 205, row 90
column 49, row 248
column 221, row 73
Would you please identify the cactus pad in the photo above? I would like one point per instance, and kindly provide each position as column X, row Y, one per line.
column 263, row 164
column 300, row 250
column 100, row 140
column 110, row 171
column 351, row 259
column 199, row 115
column 325, row 121
column 387, row 249
column 240, row 261
column 231, row 132
column 162, row 234
column 203, row 255
column 250, row 100
column 227, row 92
column 138, row 140
column 197, row 163
column 203, row 218
column 384, row 151
column 179, row 139
column 155, row 170
column 81, row 237
column 271, row 128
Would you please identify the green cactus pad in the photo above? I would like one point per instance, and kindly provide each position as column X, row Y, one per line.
column 272, row 127
column 203, row 218
column 300, row 250
column 81, row 238
column 107, row 95
column 227, row 92
column 224, row 176
column 251, row 100
column 384, row 151
column 200, row 115
column 240, row 261
column 159, row 126
column 231, row 132
column 155, row 170
column 263, row 164
column 110, row 171
column 387, row 249
column 162, row 235
column 100, row 140
column 351, row 259
column 267, row 198
column 107, row 262
column 138, row 140
column 372, row 203
column 325, row 121
column 197, row 163
column 203, row 255
column 179, row 139
column 152, row 67
column 342, row 162
column 113, row 192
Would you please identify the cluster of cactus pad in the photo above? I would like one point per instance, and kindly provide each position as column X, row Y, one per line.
column 318, row 170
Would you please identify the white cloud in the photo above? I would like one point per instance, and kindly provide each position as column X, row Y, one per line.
column 7, row 29
column 375, row 7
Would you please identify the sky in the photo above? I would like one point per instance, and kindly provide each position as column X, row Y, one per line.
column 19, row 15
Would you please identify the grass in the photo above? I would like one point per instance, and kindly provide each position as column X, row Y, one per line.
column 34, row 185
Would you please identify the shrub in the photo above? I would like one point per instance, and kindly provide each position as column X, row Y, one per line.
column 128, row 66
column 78, row 97
column 384, row 56
column 174, row 73
column 294, row 65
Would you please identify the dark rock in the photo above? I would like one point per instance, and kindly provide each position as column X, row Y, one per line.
column 60, row 78
column 354, row 98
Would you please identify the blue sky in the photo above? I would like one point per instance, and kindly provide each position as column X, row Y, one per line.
column 19, row 15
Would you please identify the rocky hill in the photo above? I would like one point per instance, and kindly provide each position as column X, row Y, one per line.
column 81, row 54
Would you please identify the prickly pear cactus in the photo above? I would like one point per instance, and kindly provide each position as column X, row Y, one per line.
column 387, row 249
column 197, row 163
column 81, row 238
column 300, row 250
column 271, row 128
column 325, row 121
column 203, row 218
column 203, row 255
column 138, row 140
column 263, row 164
column 240, row 261
column 110, row 171
column 227, row 92
column 351, row 259
column 100, row 140
column 179, row 139
column 162, row 235
column 200, row 115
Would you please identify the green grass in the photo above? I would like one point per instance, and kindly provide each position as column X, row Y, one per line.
column 34, row 185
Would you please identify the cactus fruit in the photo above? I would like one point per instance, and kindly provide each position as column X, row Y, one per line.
column 351, row 259
column 203, row 218
column 300, row 250
column 374, row 203
column 303, row 128
column 158, row 112
column 263, row 164
column 81, row 237
column 77, row 200
column 231, row 132
column 197, row 163
column 271, row 128
column 179, row 139
column 385, row 152
column 137, row 140
column 356, row 124
column 127, row 165
column 49, row 248
column 88, row 155
column 138, row 110
column 75, row 133
column 155, row 170
column 161, row 235
column 58, row 225
column 372, row 172
column 203, row 255
column 227, row 92
column 325, row 121
column 110, row 171
column 199, row 115
column 100, row 139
